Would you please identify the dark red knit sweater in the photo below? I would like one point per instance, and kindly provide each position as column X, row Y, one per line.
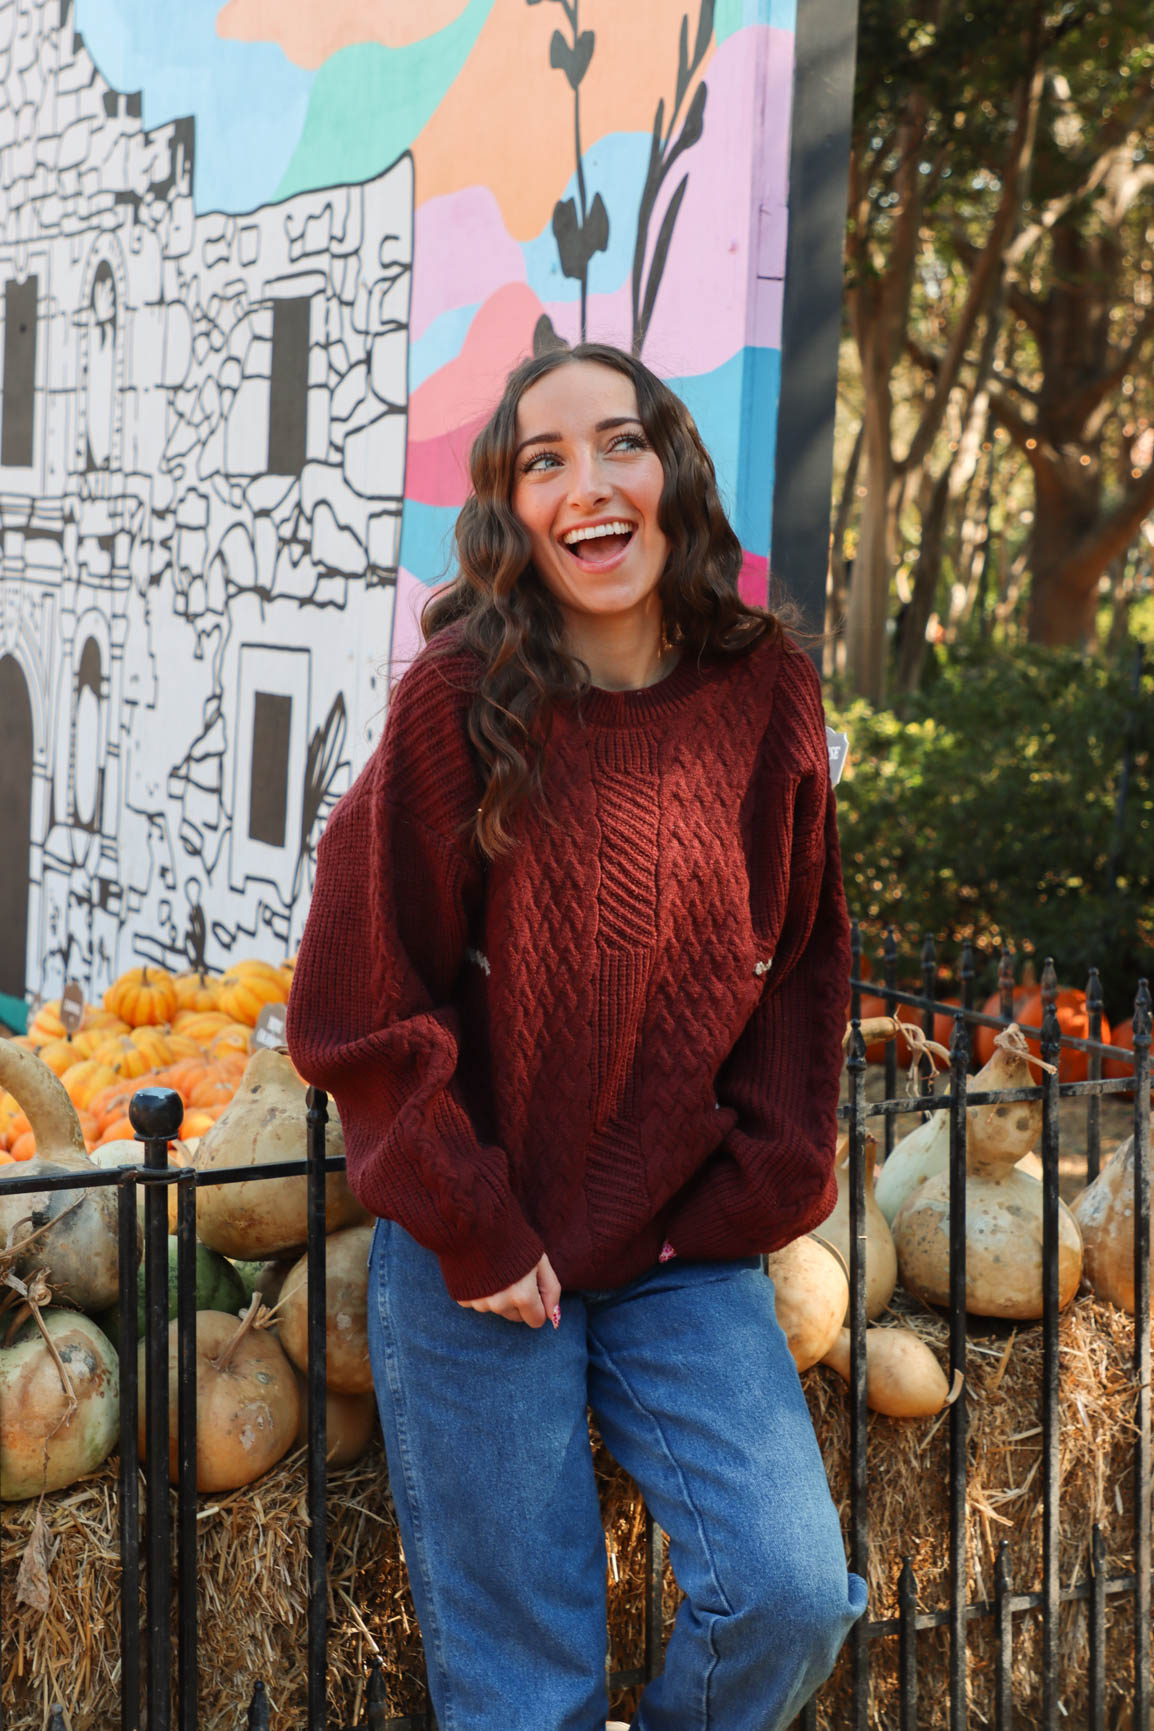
column 586, row 1050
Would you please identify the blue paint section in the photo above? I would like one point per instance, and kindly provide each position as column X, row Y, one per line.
column 732, row 15
column 427, row 540
column 735, row 408
column 441, row 343
column 248, row 100
column 368, row 103
column 615, row 167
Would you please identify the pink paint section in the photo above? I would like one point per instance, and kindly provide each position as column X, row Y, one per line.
column 753, row 579
column 411, row 597
column 709, row 305
column 468, row 388
column 462, row 254
column 437, row 470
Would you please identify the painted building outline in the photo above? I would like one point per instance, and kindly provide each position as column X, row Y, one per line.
column 203, row 424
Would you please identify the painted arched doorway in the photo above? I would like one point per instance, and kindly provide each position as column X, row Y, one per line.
column 16, row 747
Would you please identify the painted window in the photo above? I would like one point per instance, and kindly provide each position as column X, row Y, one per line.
column 87, row 776
column 289, row 388
column 268, row 775
column 17, row 423
column 101, row 382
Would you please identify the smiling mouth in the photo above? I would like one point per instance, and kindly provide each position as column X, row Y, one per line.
column 601, row 548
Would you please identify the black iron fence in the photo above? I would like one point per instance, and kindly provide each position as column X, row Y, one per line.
column 152, row 1693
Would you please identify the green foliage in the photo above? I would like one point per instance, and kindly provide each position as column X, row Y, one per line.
column 986, row 809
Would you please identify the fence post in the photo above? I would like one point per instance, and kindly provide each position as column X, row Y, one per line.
column 317, row 1118
column 1051, row 1460
column 858, row 1421
column 155, row 1115
column 959, row 1572
column 1142, row 1446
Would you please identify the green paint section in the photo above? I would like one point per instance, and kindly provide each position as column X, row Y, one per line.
column 14, row 1013
column 733, row 15
column 369, row 103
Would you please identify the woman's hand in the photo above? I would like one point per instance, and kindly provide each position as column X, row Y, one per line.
column 531, row 1299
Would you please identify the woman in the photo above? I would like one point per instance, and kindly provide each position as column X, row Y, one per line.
column 575, row 974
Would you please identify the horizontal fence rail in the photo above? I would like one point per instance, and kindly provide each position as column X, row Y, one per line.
column 150, row 1687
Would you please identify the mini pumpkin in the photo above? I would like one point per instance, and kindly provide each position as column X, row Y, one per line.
column 142, row 995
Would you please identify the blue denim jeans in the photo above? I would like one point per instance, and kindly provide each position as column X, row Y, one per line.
column 692, row 1385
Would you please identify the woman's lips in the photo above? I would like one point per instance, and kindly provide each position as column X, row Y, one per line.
column 600, row 554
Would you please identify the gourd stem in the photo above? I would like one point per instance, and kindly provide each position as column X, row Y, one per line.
column 256, row 1316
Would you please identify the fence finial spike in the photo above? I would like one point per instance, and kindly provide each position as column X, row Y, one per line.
column 258, row 1708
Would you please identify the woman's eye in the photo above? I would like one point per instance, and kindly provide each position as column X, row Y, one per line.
column 542, row 457
column 629, row 442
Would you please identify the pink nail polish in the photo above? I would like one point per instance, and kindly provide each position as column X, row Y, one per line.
column 555, row 1317
column 667, row 1252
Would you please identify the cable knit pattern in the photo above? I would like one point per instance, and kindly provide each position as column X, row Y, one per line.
column 625, row 1032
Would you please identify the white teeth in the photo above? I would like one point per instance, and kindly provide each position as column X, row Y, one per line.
column 597, row 530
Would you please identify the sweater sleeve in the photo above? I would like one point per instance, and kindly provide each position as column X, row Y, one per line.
column 371, row 1020
column 771, row 1178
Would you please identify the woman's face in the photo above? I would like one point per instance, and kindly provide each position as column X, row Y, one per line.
column 586, row 488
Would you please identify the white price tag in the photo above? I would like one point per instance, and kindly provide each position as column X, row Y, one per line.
column 269, row 1030
column 72, row 1006
column 838, row 746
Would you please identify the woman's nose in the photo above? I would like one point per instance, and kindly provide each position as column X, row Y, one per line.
column 588, row 483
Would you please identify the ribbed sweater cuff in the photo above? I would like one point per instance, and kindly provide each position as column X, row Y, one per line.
column 488, row 1262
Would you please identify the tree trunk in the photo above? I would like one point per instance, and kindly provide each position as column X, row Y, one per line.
column 869, row 588
column 1063, row 599
column 912, row 645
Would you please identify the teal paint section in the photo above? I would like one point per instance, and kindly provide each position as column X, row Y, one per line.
column 368, row 104
column 248, row 100
column 732, row 15
column 14, row 1013
column 441, row 343
column 735, row 408
column 427, row 540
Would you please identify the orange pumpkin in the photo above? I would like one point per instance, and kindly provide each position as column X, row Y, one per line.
column 24, row 1146
column 211, row 1090
column 181, row 1046
column 152, row 1043
column 200, row 1025
column 46, row 1024
column 248, row 987
column 118, row 1130
column 60, row 1055
column 235, row 1040
column 142, row 996
column 984, row 1037
column 124, row 1056
column 198, row 1120
column 1073, row 1020
column 196, row 990
column 86, row 1079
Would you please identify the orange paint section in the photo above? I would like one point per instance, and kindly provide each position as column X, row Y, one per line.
column 309, row 32
column 467, row 141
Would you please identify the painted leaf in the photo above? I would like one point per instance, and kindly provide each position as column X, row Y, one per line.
column 704, row 31
column 694, row 120
column 596, row 229
column 573, row 60
column 661, row 253
column 567, row 233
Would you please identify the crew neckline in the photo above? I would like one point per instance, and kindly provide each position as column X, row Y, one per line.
column 601, row 707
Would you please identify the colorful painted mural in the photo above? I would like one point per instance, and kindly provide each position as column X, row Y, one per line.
column 282, row 257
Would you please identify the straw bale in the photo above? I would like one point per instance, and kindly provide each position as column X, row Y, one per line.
column 253, row 1554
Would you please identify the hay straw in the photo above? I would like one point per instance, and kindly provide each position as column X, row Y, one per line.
column 253, row 1554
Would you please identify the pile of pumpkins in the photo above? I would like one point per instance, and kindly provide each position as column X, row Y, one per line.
column 908, row 1236
column 191, row 1032
column 59, row 1266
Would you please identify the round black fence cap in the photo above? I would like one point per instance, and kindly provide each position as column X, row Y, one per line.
column 156, row 1112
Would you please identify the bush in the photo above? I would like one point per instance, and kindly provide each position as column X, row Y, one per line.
column 986, row 808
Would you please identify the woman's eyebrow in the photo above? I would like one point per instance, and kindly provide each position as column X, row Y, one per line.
column 601, row 427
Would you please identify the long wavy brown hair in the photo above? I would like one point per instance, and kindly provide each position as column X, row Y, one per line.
column 499, row 608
